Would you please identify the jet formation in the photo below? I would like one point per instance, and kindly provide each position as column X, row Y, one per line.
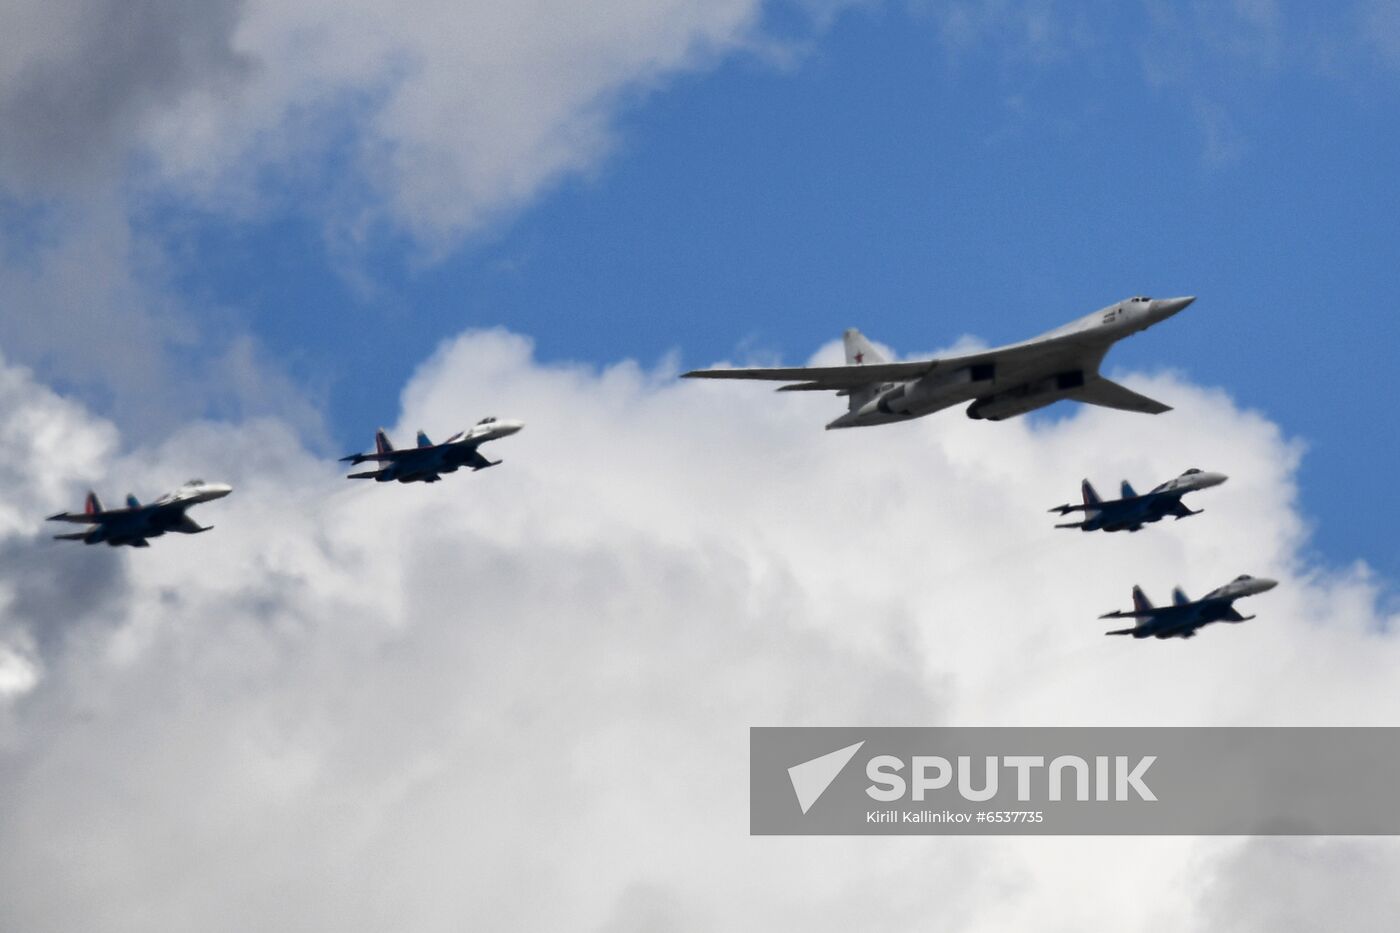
column 1132, row 511
column 427, row 462
column 1184, row 616
column 999, row 383
column 1061, row 364
column 136, row 523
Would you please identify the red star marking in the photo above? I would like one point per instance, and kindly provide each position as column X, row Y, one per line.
column 860, row 357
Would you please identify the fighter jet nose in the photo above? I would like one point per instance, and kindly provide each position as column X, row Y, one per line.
column 511, row 427
column 1214, row 479
column 1163, row 308
column 218, row 490
column 1265, row 584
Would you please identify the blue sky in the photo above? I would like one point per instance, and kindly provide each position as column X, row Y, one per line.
column 921, row 184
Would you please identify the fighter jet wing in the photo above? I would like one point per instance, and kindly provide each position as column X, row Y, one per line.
column 473, row 458
column 1110, row 394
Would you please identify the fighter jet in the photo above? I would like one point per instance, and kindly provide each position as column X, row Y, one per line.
column 1133, row 511
column 1183, row 617
column 428, row 461
column 1006, row 381
column 135, row 523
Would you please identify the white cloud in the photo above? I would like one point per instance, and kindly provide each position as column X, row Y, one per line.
column 521, row 698
column 441, row 115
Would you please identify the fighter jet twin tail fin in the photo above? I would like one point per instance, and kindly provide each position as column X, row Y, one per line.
column 1142, row 611
column 1091, row 499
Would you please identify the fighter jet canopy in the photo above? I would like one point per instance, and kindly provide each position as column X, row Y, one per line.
column 488, row 420
column 1242, row 577
column 1190, row 471
column 1140, row 298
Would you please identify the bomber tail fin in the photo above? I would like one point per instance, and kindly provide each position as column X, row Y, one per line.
column 1127, row 491
column 859, row 350
column 1140, row 601
column 422, row 440
column 93, row 506
column 1091, row 497
column 381, row 442
column 1179, row 597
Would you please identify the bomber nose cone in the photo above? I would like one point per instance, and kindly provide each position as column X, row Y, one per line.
column 1163, row 308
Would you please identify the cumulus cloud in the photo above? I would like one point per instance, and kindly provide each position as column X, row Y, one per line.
column 521, row 698
column 441, row 115
column 79, row 81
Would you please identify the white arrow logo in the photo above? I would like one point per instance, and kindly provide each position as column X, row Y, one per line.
column 811, row 778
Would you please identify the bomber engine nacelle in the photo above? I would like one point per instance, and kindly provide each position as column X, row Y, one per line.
column 908, row 397
column 1027, row 397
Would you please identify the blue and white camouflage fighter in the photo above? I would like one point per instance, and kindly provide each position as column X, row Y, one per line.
column 1184, row 616
column 999, row 383
column 428, row 461
column 1132, row 511
column 136, row 523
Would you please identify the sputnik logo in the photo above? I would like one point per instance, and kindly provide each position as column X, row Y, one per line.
column 811, row 778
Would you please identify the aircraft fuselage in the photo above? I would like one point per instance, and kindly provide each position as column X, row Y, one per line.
column 1047, row 368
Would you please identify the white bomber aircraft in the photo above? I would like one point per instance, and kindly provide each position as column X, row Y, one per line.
column 1002, row 382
